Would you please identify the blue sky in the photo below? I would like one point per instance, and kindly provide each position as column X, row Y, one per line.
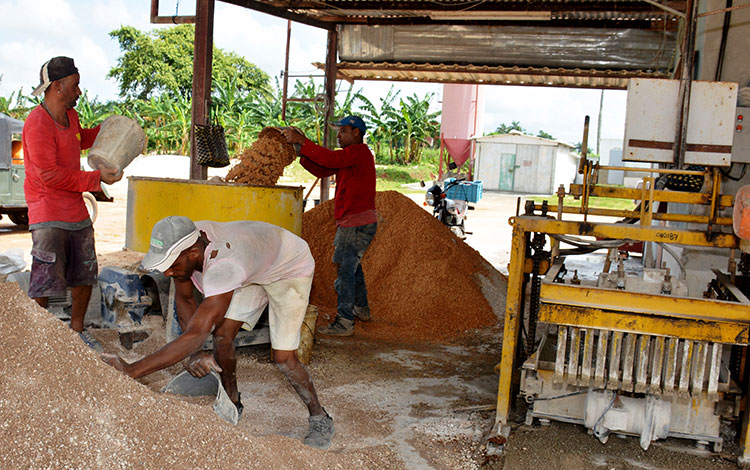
column 33, row 31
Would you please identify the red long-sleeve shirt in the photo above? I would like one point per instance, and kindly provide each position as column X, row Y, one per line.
column 354, row 167
column 54, row 181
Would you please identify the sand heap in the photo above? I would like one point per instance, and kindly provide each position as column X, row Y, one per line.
column 424, row 284
column 264, row 162
column 62, row 407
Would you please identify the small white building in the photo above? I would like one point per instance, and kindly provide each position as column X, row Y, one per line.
column 523, row 163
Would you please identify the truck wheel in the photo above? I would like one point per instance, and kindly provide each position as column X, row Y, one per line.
column 20, row 217
column 91, row 205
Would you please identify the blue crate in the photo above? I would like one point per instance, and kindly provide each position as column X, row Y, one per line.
column 470, row 191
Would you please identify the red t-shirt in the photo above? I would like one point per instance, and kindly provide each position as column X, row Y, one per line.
column 54, row 181
column 354, row 167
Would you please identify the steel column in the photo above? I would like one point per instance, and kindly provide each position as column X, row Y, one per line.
column 204, row 34
column 330, row 87
column 512, row 323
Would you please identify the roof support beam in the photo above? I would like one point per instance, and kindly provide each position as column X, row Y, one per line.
column 281, row 13
column 204, row 40
column 330, row 87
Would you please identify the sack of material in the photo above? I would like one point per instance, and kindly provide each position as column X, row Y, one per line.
column 211, row 145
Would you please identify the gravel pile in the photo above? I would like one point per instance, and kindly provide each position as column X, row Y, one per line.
column 61, row 407
column 424, row 284
column 264, row 162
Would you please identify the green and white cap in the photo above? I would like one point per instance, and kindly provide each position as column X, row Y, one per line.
column 171, row 236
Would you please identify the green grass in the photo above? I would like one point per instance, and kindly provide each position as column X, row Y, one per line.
column 594, row 202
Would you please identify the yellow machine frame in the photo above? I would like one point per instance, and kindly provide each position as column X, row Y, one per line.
column 588, row 307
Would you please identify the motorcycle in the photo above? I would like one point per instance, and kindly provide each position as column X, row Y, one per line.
column 450, row 212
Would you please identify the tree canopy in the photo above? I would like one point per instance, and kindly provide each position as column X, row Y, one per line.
column 162, row 62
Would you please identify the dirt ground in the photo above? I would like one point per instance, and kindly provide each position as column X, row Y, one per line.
column 430, row 406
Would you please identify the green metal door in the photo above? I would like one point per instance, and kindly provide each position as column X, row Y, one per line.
column 507, row 171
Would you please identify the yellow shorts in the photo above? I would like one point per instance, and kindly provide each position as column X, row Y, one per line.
column 287, row 303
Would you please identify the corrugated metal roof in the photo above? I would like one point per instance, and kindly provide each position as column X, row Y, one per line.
column 527, row 76
column 342, row 11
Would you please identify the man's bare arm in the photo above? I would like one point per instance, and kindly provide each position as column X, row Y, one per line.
column 208, row 314
column 184, row 302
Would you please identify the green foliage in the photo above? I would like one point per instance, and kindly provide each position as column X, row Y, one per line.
column 400, row 134
column 155, row 73
column 506, row 128
column 544, row 135
column 17, row 105
column 589, row 151
column 162, row 62
column 516, row 126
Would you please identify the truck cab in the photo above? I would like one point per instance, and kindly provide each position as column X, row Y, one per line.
column 12, row 173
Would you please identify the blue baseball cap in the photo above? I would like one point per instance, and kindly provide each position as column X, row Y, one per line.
column 354, row 121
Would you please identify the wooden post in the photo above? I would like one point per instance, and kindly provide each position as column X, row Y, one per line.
column 204, row 34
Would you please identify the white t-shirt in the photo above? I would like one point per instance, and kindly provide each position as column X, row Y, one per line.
column 248, row 252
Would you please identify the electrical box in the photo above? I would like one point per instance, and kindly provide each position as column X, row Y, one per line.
column 651, row 116
column 741, row 145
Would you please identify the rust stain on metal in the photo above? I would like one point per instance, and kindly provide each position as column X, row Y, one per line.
column 585, row 228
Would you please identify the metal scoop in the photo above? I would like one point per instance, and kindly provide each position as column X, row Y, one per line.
column 186, row 385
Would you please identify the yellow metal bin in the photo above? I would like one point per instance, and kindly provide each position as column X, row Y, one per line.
column 151, row 199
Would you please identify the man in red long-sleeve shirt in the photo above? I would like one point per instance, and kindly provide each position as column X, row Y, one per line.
column 63, row 253
column 354, row 211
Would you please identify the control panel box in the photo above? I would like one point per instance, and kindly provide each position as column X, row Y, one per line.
column 652, row 112
column 741, row 143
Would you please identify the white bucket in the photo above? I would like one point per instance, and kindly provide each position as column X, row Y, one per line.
column 119, row 141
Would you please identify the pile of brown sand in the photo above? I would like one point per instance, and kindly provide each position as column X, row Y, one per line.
column 424, row 284
column 62, row 407
column 264, row 162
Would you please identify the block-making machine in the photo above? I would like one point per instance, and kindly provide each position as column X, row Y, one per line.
column 653, row 344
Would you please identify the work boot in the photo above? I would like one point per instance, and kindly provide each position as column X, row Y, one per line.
column 339, row 327
column 320, row 433
column 90, row 341
column 362, row 313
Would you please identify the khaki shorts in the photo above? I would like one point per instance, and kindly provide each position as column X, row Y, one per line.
column 287, row 303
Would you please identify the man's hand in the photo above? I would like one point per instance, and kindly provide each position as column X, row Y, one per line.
column 293, row 135
column 116, row 361
column 201, row 364
column 110, row 175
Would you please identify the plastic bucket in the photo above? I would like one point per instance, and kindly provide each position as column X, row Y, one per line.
column 307, row 335
column 119, row 141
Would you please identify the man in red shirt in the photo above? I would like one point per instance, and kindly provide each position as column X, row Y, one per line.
column 354, row 211
column 63, row 253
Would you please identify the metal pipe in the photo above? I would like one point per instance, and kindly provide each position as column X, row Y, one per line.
column 697, row 219
column 653, row 170
column 666, row 8
column 584, row 145
column 723, row 43
column 286, row 70
column 723, row 10
column 686, row 81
